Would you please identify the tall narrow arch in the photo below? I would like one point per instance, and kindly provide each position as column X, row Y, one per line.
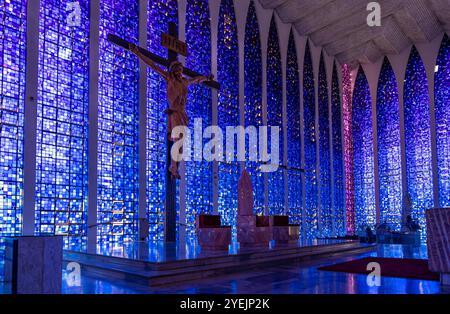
column 228, row 106
column 62, row 124
column 160, row 14
column 310, row 219
column 418, row 139
column 198, row 173
column 12, row 85
column 326, row 214
column 275, row 117
column 363, row 153
column 338, row 162
column 442, row 109
column 389, row 148
column 348, row 150
column 253, row 98
column 118, row 127
column 294, row 133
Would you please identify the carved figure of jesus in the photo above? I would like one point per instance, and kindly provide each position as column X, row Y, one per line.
column 177, row 92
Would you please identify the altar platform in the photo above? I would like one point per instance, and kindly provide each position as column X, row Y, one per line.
column 162, row 264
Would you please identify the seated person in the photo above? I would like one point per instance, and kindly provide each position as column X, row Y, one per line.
column 410, row 225
column 383, row 228
column 370, row 235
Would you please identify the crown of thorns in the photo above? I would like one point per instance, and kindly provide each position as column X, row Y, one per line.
column 174, row 65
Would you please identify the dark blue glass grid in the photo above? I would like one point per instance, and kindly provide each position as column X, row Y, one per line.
column 310, row 218
column 389, row 151
column 294, row 132
column 228, row 107
column 62, row 123
column 160, row 13
column 253, row 98
column 118, row 123
column 338, row 162
column 363, row 155
column 12, row 85
column 418, row 139
column 275, row 117
column 198, row 173
column 326, row 214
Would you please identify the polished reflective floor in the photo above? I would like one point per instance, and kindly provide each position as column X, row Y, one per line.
column 160, row 252
column 282, row 279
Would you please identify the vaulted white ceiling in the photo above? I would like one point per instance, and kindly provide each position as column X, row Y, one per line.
column 340, row 26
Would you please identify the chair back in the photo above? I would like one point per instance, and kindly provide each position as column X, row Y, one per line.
column 209, row 221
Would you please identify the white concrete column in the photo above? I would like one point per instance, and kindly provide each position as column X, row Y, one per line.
column 143, row 12
column 30, row 120
column 93, row 124
column 214, row 9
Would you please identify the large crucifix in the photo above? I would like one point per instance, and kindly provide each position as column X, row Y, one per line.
column 176, row 94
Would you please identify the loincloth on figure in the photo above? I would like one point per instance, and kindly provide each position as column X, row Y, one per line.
column 176, row 118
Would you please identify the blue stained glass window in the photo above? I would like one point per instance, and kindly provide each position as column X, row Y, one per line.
column 326, row 215
column 160, row 13
column 442, row 109
column 2, row 258
column 363, row 153
column 389, row 151
column 309, row 115
column 118, row 131
column 253, row 97
column 198, row 173
column 12, row 80
column 294, row 140
column 338, row 163
column 418, row 138
column 275, row 117
column 228, row 107
column 62, row 123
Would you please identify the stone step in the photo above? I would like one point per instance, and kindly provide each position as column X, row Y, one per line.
column 255, row 254
column 156, row 274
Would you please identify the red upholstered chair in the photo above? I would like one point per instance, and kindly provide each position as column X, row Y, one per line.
column 283, row 232
column 262, row 221
column 211, row 234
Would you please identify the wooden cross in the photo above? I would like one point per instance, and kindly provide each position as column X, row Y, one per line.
column 174, row 46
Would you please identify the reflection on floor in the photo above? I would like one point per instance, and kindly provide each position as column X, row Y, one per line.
column 160, row 252
column 290, row 278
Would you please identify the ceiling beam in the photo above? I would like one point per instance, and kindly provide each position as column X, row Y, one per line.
column 329, row 14
column 366, row 53
column 418, row 21
column 442, row 11
column 272, row 4
column 293, row 11
column 340, row 27
column 357, row 22
column 390, row 37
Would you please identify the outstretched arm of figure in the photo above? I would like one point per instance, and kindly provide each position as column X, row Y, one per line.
column 134, row 49
column 200, row 79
